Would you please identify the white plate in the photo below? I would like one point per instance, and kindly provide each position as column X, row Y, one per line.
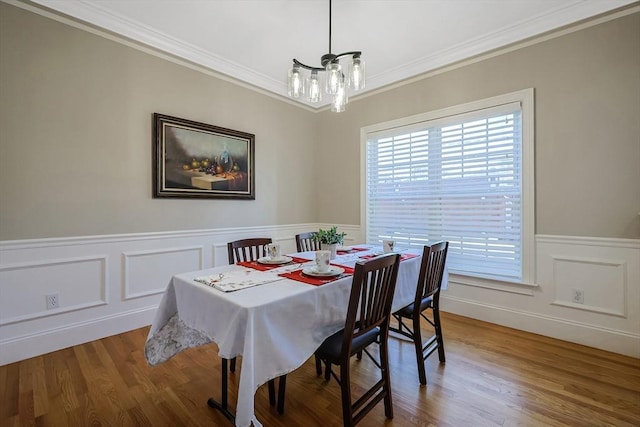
column 281, row 260
column 344, row 248
column 333, row 271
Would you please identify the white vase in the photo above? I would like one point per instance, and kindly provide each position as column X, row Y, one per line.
column 333, row 247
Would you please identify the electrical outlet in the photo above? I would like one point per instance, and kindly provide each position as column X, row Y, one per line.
column 577, row 296
column 53, row 301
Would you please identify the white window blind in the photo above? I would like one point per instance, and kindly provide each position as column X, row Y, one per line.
column 457, row 178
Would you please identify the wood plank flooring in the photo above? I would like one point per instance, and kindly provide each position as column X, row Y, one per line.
column 494, row 376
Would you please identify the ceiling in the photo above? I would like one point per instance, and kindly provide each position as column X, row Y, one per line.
column 254, row 41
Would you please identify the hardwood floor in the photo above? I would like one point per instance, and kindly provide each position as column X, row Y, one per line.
column 494, row 376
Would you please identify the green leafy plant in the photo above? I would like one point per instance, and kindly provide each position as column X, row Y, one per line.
column 330, row 236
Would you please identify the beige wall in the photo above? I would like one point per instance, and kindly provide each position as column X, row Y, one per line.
column 75, row 134
column 76, row 137
column 75, row 160
column 587, row 94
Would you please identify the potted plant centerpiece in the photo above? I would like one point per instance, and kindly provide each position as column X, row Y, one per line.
column 329, row 239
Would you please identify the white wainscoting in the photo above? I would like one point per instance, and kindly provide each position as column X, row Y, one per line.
column 605, row 271
column 24, row 283
column 106, row 284
column 145, row 272
column 112, row 284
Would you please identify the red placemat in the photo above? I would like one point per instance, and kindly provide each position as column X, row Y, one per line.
column 266, row 267
column 402, row 257
column 315, row 281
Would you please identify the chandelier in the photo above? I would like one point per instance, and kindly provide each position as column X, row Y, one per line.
column 336, row 83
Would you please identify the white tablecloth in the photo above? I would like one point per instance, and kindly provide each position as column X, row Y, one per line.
column 275, row 327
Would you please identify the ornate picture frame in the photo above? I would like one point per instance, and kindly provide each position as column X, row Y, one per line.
column 198, row 160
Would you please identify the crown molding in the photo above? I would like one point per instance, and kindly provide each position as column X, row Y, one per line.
column 102, row 18
column 91, row 17
column 532, row 27
column 394, row 83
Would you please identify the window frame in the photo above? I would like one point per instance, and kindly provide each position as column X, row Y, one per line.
column 527, row 233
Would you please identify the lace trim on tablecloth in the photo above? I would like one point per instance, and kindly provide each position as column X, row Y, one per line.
column 175, row 336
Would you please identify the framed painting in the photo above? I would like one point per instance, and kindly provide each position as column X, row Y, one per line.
column 197, row 160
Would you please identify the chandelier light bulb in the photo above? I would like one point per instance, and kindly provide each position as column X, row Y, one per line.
column 356, row 74
column 314, row 93
column 334, row 74
column 340, row 99
column 295, row 82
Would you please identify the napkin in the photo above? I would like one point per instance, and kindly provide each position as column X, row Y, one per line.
column 351, row 249
column 402, row 257
column 236, row 280
column 266, row 267
column 316, row 281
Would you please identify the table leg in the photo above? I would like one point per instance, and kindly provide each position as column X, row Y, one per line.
column 222, row 406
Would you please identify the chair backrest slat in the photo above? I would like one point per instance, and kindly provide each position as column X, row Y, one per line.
column 247, row 249
column 306, row 243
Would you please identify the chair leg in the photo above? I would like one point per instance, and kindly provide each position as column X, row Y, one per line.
column 327, row 371
column 281, row 392
column 439, row 338
column 282, row 384
column 272, row 392
column 327, row 368
column 386, row 376
column 417, row 341
column 345, row 392
column 400, row 324
column 233, row 365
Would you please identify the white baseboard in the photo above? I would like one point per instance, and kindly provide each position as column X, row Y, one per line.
column 46, row 341
column 567, row 330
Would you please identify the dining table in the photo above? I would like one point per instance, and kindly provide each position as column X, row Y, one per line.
column 274, row 315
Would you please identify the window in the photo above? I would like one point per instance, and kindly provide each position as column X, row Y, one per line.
column 463, row 174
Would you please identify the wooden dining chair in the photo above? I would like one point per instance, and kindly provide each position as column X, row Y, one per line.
column 251, row 250
column 367, row 322
column 427, row 297
column 306, row 243
column 247, row 249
